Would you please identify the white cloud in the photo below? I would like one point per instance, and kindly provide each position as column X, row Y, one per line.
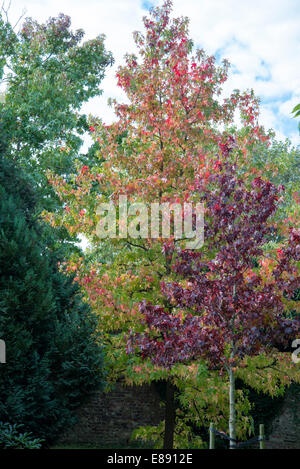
column 261, row 38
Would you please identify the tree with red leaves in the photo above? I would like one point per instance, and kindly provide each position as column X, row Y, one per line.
column 163, row 140
column 224, row 309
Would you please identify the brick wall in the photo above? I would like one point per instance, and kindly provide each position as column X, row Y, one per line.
column 285, row 432
column 111, row 418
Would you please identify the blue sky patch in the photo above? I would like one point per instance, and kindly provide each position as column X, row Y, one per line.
column 146, row 4
column 275, row 102
column 266, row 73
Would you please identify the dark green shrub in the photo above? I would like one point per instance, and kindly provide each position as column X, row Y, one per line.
column 12, row 438
column 54, row 360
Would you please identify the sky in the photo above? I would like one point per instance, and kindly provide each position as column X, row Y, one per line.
column 260, row 38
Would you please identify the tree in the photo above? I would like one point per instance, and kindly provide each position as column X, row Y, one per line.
column 230, row 300
column 279, row 162
column 54, row 359
column 164, row 139
column 48, row 75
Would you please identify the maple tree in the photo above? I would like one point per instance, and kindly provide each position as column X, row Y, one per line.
column 164, row 140
column 231, row 301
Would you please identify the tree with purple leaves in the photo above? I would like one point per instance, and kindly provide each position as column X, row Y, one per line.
column 231, row 297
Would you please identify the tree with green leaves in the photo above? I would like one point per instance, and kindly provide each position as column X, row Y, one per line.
column 48, row 73
column 279, row 162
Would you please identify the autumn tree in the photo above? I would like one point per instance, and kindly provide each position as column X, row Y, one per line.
column 164, row 139
column 231, row 300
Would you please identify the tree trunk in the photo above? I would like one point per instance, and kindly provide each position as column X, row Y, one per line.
column 169, row 416
column 232, row 411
